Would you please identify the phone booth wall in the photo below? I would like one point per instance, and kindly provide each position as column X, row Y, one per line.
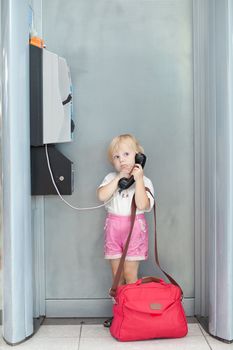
column 125, row 60
column 17, row 232
column 139, row 69
column 213, row 99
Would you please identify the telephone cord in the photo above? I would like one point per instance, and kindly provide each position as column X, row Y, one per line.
column 59, row 194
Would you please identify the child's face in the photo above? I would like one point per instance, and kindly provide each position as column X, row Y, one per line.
column 124, row 158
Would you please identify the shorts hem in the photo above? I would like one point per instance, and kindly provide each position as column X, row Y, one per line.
column 112, row 256
column 135, row 258
column 127, row 258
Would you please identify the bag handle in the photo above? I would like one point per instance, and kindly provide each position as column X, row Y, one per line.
column 117, row 277
column 149, row 279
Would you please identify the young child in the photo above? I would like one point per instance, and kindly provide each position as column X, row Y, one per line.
column 121, row 153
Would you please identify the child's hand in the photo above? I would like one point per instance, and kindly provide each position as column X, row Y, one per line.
column 137, row 172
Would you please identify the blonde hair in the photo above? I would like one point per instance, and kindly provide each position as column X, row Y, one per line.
column 126, row 138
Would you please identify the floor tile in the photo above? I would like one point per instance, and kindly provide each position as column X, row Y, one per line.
column 3, row 343
column 216, row 344
column 59, row 331
column 194, row 329
column 93, row 331
column 48, row 339
column 46, row 344
column 108, row 343
column 203, row 324
column 97, row 337
column 203, row 331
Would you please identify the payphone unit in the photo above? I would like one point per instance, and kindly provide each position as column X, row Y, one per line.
column 50, row 121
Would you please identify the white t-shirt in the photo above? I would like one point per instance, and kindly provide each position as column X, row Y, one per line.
column 121, row 201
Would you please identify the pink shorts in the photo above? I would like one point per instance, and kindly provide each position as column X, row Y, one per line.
column 117, row 228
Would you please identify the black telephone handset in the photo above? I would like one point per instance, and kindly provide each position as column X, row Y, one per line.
column 125, row 182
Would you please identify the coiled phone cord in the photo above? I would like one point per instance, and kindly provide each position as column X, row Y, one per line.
column 59, row 194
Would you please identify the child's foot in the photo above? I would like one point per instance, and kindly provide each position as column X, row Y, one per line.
column 107, row 323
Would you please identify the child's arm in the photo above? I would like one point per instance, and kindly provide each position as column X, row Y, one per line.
column 106, row 191
column 141, row 198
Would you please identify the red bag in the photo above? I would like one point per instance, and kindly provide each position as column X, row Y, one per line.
column 149, row 308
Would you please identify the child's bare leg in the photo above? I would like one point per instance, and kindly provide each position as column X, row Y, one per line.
column 131, row 271
column 114, row 266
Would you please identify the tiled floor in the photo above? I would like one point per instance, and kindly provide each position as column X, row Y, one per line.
column 96, row 337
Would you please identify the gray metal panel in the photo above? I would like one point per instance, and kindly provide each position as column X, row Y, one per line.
column 38, row 211
column 38, row 254
column 202, row 161
column 216, row 139
column 99, row 307
column 131, row 67
column 223, row 249
column 17, row 242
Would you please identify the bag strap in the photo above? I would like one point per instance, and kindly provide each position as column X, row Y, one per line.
column 156, row 248
column 117, row 277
